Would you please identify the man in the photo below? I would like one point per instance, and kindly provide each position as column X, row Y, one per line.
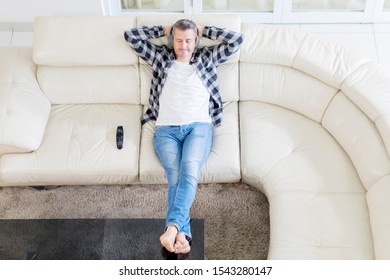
column 186, row 104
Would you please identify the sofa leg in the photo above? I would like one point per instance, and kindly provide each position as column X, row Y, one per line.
column 43, row 188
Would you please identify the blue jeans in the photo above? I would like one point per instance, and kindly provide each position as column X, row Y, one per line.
column 183, row 151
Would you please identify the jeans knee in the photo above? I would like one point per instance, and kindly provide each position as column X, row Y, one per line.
column 173, row 176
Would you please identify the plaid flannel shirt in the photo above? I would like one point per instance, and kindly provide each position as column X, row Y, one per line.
column 205, row 61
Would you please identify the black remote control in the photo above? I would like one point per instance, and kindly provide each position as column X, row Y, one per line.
column 119, row 137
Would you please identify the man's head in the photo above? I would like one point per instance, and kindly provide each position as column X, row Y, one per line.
column 184, row 39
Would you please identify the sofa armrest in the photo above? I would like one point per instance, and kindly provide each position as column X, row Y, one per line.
column 24, row 109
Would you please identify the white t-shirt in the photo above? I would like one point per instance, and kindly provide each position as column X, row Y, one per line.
column 184, row 98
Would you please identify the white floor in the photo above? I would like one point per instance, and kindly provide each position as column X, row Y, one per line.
column 372, row 40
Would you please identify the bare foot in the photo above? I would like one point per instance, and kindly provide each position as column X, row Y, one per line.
column 168, row 238
column 181, row 245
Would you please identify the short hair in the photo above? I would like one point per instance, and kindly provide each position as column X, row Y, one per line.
column 185, row 24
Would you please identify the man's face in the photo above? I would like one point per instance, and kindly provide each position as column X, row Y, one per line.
column 184, row 42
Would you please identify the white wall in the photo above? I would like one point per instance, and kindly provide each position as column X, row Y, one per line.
column 27, row 10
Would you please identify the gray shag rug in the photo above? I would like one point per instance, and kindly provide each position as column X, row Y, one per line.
column 236, row 216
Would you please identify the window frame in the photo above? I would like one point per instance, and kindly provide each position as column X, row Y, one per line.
column 281, row 14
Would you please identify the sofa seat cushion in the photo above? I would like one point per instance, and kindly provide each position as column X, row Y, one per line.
column 318, row 205
column 79, row 147
column 222, row 165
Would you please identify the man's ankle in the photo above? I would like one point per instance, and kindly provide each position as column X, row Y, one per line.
column 171, row 228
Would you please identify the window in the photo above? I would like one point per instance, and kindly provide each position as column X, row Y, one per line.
column 387, row 5
column 238, row 5
column 328, row 5
column 263, row 11
column 152, row 5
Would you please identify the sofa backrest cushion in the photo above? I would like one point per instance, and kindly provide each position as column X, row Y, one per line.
column 95, row 84
column 320, row 80
column 86, row 60
column 82, row 41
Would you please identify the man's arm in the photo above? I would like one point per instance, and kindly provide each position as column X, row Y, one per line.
column 230, row 42
column 138, row 41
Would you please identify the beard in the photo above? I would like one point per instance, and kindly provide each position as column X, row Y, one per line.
column 184, row 53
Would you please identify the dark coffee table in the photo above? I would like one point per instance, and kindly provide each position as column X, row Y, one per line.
column 91, row 239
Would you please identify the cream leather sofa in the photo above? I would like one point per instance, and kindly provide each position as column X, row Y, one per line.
column 306, row 121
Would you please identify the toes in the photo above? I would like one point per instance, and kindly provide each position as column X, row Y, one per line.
column 181, row 244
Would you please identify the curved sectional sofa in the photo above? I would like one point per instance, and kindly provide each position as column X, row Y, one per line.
column 307, row 122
